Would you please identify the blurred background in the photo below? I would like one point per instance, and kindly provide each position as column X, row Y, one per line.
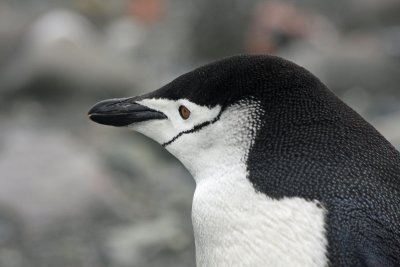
column 74, row 193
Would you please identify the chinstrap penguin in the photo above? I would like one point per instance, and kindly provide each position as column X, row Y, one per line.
column 286, row 173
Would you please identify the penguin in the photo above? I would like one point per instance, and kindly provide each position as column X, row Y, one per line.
column 286, row 173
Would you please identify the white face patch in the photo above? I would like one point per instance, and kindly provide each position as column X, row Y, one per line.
column 222, row 143
column 164, row 131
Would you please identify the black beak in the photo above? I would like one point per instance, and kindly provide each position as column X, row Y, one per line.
column 122, row 112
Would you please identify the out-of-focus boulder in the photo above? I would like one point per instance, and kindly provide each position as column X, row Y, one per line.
column 64, row 47
column 46, row 176
column 154, row 243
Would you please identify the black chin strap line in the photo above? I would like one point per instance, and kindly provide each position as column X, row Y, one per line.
column 196, row 128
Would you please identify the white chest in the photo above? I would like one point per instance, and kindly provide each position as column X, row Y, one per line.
column 235, row 226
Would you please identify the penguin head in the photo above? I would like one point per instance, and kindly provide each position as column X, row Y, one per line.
column 212, row 111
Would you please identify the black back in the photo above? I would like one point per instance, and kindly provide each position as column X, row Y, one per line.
column 312, row 146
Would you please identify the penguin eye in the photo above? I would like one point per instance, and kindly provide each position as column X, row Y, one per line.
column 184, row 112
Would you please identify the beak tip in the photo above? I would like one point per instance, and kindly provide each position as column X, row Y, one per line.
column 100, row 107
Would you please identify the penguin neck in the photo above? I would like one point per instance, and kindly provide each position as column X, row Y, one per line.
column 233, row 223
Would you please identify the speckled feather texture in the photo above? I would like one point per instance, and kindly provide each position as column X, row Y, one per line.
column 286, row 173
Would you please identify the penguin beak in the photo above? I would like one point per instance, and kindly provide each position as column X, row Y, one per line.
column 122, row 112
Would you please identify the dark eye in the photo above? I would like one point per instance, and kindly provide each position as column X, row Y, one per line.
column 184, row 112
